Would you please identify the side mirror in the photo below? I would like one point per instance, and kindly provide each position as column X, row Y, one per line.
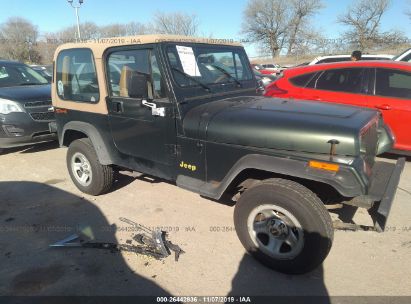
column 138, row 86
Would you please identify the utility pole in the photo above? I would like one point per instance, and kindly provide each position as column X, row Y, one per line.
column 76, row 8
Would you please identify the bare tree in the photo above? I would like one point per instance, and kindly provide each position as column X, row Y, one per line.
column 113, row 30
column 302, row 10
column 363, row 20
column 136, row 28
column 266, row 23
column 49, row 42
column 308, row 41
column 118, row 30
column 89, row 30
column 176, row 23
column 45, row 49
column 18, row 39
column 393, row 39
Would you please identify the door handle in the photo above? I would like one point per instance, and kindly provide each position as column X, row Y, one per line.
column 117, row 106
column 383, row 107
column 154, row 110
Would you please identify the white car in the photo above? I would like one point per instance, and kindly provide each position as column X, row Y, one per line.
column 271, row 66
column 338, row 58
column 404, row 56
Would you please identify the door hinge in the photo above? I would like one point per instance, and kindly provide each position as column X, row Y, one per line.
column 200, row 146
column 174, row 149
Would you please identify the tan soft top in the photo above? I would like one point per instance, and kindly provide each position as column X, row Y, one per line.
column 100, row 45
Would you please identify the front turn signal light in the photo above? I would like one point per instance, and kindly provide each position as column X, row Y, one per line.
column 323, row 166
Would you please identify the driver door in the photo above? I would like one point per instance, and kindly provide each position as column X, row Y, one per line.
column 136, row 132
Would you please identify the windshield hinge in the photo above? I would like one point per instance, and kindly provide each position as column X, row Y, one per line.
column 174, row 149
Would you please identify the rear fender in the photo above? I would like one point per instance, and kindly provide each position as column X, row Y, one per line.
column 95, row 137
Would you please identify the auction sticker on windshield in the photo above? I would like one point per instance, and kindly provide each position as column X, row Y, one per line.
column 188, row 60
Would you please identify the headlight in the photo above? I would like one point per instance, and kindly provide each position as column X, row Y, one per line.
column 9, row 106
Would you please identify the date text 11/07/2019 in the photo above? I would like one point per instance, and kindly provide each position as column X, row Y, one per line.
column 204, row 299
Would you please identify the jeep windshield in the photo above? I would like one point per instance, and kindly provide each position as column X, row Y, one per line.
column 208, row 66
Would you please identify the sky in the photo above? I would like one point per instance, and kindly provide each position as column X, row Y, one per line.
column 219, row 18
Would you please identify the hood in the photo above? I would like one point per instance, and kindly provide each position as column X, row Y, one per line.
column 283, row 124
column 24, row 93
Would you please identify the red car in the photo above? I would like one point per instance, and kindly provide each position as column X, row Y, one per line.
column 384, row 85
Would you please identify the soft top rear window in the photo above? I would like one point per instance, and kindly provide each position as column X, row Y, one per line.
column 76, row 77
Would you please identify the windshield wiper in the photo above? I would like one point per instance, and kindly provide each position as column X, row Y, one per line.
column 227, row 74
column 192, row 78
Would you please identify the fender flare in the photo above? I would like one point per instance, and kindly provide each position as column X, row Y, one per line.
column 345, row 181
column 94, row 135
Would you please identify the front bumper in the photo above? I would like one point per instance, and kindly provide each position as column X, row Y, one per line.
column 385, row 180
column 19, row 129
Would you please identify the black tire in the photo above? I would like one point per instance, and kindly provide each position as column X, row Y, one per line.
column 314, row 221
column 102, row 176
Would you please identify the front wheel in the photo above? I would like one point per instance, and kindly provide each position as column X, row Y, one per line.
column 284, row 225
column 85, row 170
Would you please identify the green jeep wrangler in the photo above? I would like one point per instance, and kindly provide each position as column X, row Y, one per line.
column 189, row 110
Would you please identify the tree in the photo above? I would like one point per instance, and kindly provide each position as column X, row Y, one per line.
column 309, row 41
column 113, row 30
column 301, row 11
column 266, row 23
column 136, row 28
column 89, row 30
column 129, row 29
column 176, row 23
column 363, row 20
column 18, row 40
column 46, row 46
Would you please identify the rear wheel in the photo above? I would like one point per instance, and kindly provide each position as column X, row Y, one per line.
column 85, row 170
column 284, row 225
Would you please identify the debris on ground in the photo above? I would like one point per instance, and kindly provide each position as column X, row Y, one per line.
column 149, row 242
column 156, row 239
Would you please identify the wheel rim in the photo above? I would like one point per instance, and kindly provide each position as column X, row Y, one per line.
column 81, row 168
column 275, row 231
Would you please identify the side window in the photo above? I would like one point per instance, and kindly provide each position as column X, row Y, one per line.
column 123, row 65
column 375, row 58
column 302, row 80
column 407, row 58
column 342, row 80
column 158, row 83
column 337, row 59
column 242, row 71
column 77, row 76
column 3, row 72
column 393, row 83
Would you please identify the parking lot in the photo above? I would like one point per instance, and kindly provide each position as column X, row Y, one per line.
column 40, row 205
